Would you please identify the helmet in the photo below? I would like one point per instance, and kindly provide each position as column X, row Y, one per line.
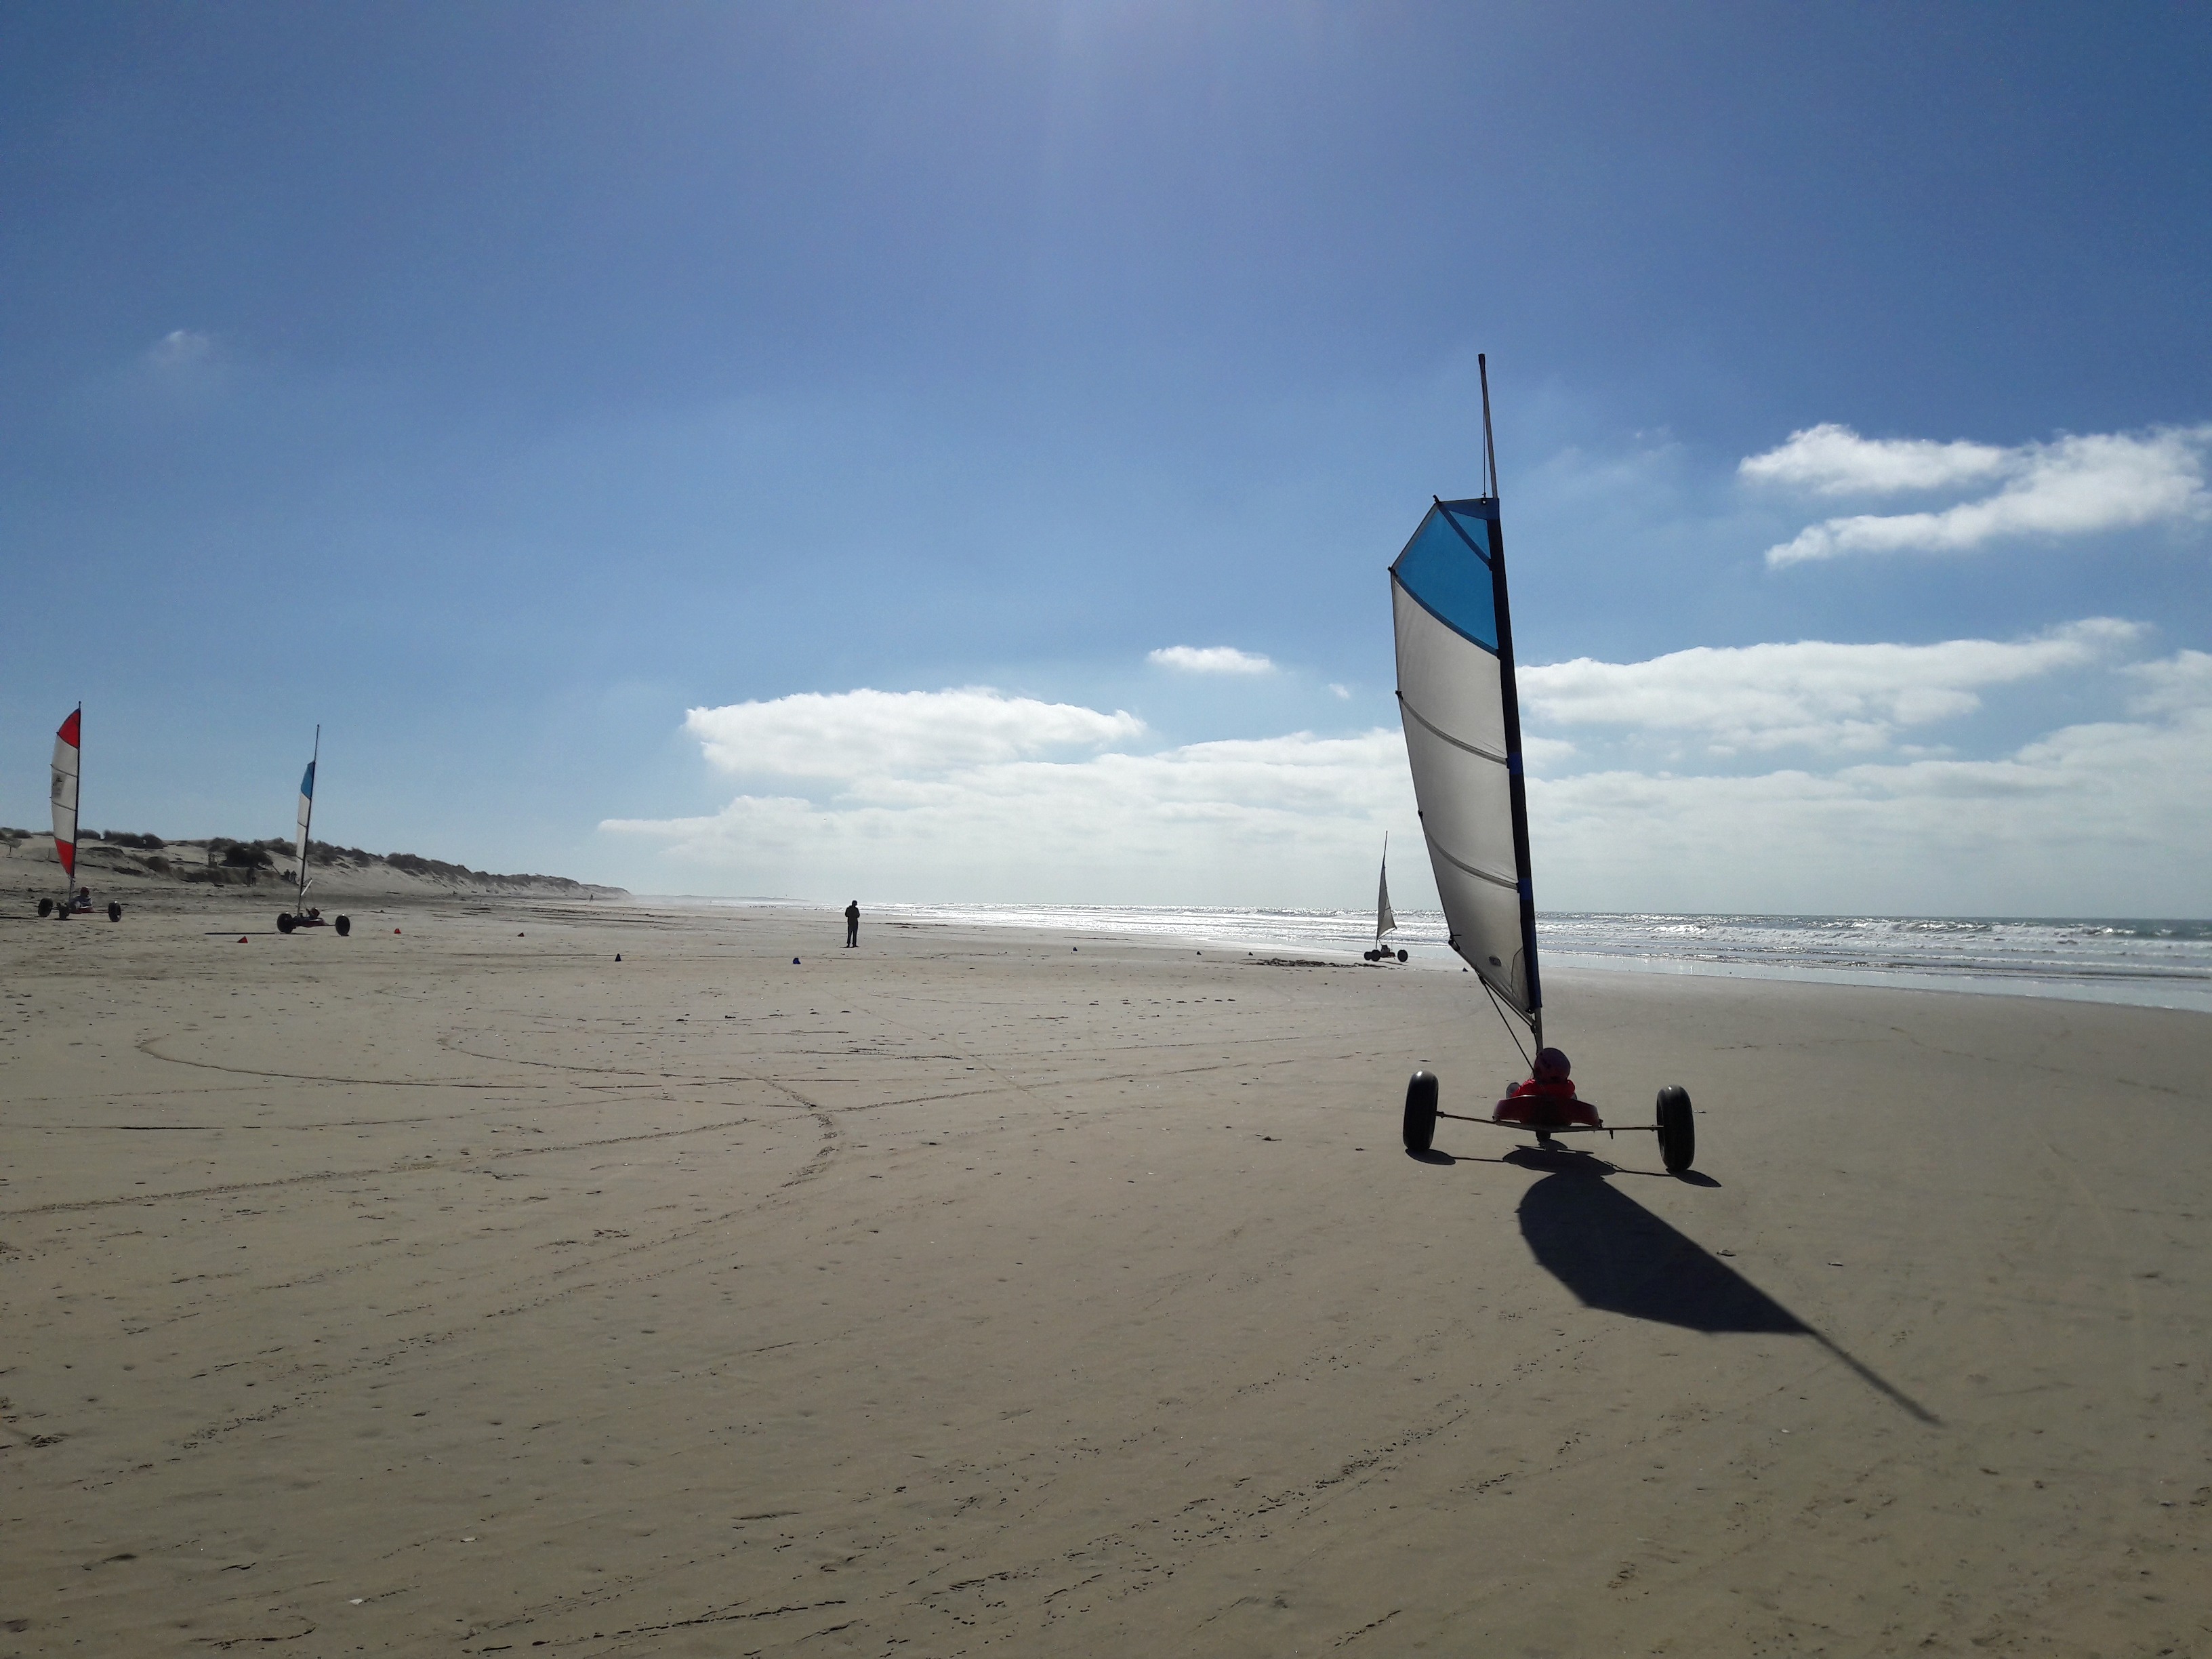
column 1550, row 1062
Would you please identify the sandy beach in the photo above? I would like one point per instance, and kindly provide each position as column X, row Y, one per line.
column 457, row 1287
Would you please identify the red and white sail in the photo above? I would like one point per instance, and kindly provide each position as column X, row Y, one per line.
column 65, row 777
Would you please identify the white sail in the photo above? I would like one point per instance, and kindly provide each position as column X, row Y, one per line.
column 67, row 760
column 1386, row 920
column 307, row 811
column 1456, row 694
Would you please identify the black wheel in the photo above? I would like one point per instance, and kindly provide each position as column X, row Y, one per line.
column 114, row 911
column 1420, row 1112
column 45, row 906
column 344, row 924
column 284, row 922
column 1402, row 956
column 1678, row 1129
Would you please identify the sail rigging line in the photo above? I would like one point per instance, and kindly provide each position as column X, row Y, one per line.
column 1499, row 1010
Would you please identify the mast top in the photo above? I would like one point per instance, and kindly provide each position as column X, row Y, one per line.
column 1489, row 448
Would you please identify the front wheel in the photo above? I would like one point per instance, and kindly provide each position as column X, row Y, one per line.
column 1402, row 956
column 1678, row 1129
column 284, row 922
column 1420, row 1112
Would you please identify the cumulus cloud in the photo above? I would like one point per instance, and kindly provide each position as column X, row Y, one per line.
column 976, row 795
column 1211, row 659
column 2175, row 685
column 2075, row 485
column 1223, row 822
column 1812, row 693
column 865, row 733
column 1834, row 460
column 2104, row 818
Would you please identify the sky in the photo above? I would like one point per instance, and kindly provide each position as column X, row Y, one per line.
column 953, row 452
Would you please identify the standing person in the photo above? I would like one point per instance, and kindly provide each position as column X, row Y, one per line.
column 853, row 925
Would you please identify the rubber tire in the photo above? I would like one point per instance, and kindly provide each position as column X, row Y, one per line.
column 1420, row 1112
column 45, row 906
column 344, row 924
column 114, row 911
column 1402, row 956
column 284, row 922
column 1678, row 1130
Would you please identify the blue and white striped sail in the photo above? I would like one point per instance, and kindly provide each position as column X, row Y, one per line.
column 1462, row 719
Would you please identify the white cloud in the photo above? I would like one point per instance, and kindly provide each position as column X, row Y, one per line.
column 2179, row 683
column 180, row 348
column 1342, row 693
column 1834, row 460
column 865, row 733
column 1211, row 659
column 975, row 795
column 2104, row 818
column 1227, row 823
column 2072, row 486
column 1812, row 692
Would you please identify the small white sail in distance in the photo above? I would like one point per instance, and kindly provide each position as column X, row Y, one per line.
column 307, row 813
column 1386, row 920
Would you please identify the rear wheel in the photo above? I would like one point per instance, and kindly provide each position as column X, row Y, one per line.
column 1420, row 1112
column 1402, row 956
column 344, row 924
column 1678, row 1129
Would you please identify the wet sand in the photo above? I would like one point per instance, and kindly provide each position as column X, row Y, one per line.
column 465, row 1289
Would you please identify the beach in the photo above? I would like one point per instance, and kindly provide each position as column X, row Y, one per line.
column 459, row 1287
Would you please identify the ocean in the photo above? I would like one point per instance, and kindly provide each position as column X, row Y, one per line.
column 2159, row 964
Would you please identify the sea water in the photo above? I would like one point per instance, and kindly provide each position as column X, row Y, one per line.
column 2159, row 964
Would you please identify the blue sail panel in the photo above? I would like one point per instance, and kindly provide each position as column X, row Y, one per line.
column 1446, row 567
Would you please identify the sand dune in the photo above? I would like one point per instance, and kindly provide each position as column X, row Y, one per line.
column 136, row 874
column 465, row 1290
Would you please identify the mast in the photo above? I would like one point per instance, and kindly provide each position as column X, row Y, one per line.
column 1518, row 784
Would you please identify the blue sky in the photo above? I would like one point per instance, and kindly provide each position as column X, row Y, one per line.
column 500, row 384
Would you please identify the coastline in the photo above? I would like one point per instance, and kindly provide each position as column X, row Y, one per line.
column 1341, row 935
